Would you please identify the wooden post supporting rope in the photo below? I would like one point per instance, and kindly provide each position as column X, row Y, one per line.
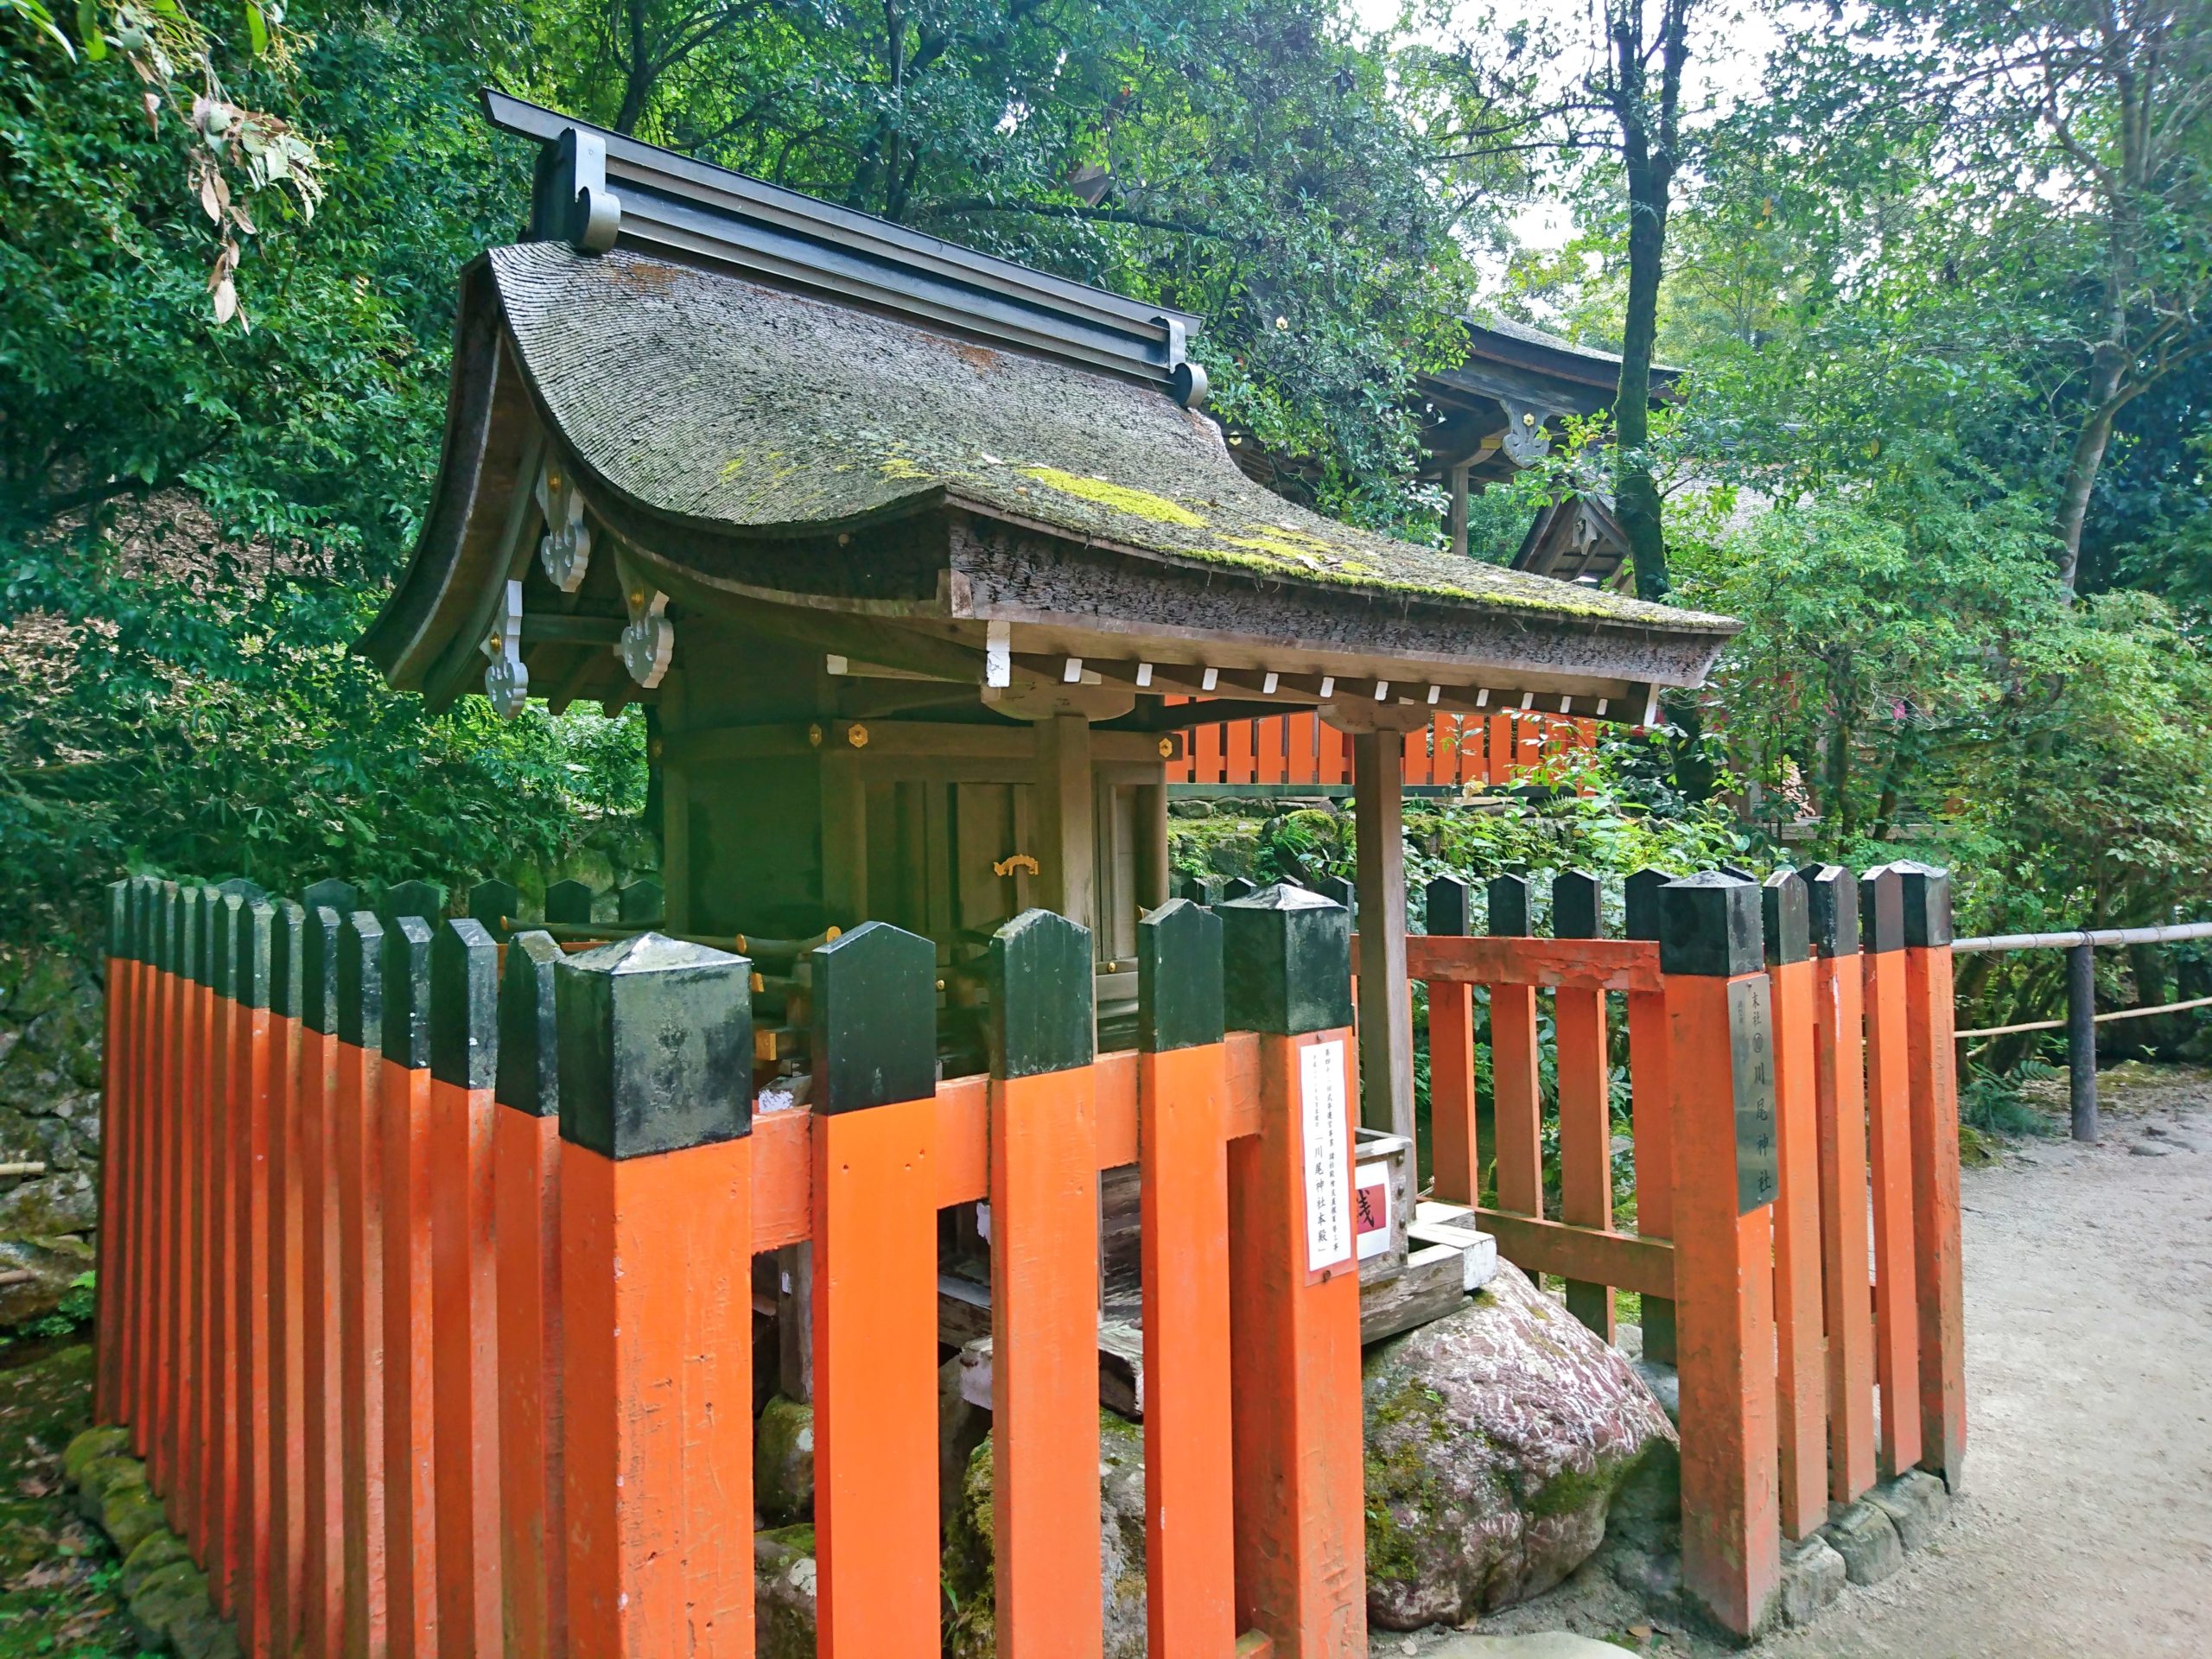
column 322, row 1291
column 121, row 972
column 284, row 1263
column 1516, row 1101
column 1801, row 1364
column 1585, row 1069
column 465, row 1361
column 656, row 1058
column 1651, row 1107
column 409, row 1450
column 526, row 1153
column 361, row 1273
column 874, row 1294
column 1043, row 1189
column 1295, row 1284
column 1938, row 1272
column 1182, row 1096
column 1456, row 1158
column 1847, row 1244
column 1720, row 1015
column 252, row 1379
column 1889, row 1117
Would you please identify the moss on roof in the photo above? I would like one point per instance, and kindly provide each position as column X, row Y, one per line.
column 721, row 401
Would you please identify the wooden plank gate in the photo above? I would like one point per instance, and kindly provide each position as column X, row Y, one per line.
column 426, row 1280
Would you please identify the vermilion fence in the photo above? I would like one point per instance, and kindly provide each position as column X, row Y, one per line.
column 429, row 1300
column 1453, row 750
column 427, row 1293
column 1780, row 1074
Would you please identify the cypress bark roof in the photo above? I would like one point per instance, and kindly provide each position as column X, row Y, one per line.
column 734, row 407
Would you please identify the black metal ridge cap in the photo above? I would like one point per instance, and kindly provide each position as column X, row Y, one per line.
column 599, row 189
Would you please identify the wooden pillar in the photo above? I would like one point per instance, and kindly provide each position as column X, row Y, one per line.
column 1799, row 1354
column 108, row 1403
column 844, row 831
column 1154, row 872
column 252, row 1130
column 2082, row 1039
column 411, row 1547
column 1651, row 1108
column 1453, row 1152
column 465, row 1378
column 284, row 1250
column 1066, row 823
column 360, row 1319
column 656, row 1049
column 1889, row 1119
column 874, row 1294
column 1045, row 1290
column 1847, row 1244
column 1720, row 1015
column 1458, row 477
column 1933, row 1060
column 1182, row 1095
column 526, row 1155
column 1294, row 1283
column 1516, row 1100
column 1386, row 1027
column 1586, row 1071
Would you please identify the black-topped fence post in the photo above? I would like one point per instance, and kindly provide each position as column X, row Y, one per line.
column 526, row 1149
column 1294, row 1276
column 1044, row 1223
column 1584, row 1057
column 498, row 904
column 656, row 1082
column 1651, row 1104
column 1454, row 1154
column 873, row 1318
column 568, row 904
column 1719, row 1011
column 359, row 1178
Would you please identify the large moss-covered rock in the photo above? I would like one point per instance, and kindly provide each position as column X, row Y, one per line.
column 783, row 1593
column 968, row 1578
column 783, row 1463
column 1495, row 1439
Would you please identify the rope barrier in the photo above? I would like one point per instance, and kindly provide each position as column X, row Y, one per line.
column 2116, row 1013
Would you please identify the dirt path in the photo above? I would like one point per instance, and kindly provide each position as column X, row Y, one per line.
column 2085, row 1531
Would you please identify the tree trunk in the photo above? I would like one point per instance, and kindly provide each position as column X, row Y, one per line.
column 2082, row 467
column 1635, row 493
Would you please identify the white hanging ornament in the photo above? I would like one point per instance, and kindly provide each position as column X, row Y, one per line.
column 565, row 549
column 650, row 640
column 506, row 680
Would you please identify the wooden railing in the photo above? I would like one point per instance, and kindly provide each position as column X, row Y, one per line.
column 426, row 1296
column 1452, row 750
column 425, row 1289
column 1785, row 1084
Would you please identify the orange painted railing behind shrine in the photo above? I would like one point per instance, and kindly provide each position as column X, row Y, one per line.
column 426, row 1270
column 1452, row 751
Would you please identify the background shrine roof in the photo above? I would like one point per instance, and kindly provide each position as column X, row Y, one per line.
column 731, row 406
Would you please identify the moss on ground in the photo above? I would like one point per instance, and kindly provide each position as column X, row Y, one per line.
column 59, row 1598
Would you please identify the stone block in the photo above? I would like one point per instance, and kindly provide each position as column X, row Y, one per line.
column 101, row 1478
column 1813, row 1575
column 1917, row 1504
column 92, row 1443
column 155, row 1551
column 172, row 1597
column 132, row 1515
column 1867, row 1540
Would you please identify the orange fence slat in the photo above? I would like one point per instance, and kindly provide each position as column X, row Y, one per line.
column 1800, row 1357
column 407, row 1376
column 1889, row 1117
column 360, row 1181
column 1932, row 1060
column 1846, row 1245
column 1585, row 1072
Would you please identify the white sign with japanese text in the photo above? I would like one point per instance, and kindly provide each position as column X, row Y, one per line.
column 1327, row 1151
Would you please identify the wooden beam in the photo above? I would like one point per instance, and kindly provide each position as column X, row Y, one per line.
column 1630, row 965
column 1386, row 1057
column 1067, row 824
